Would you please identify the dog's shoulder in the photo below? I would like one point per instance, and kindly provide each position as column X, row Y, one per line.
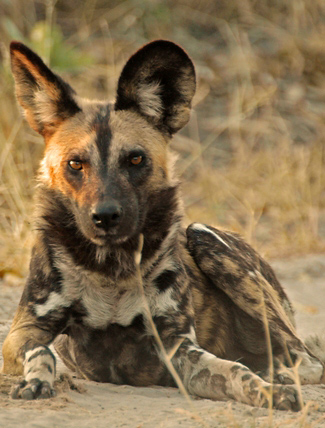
column 226, row 250
column 233, row 265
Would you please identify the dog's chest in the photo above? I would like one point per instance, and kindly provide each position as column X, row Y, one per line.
column 102, row 300
column 96, row 300
column 108, row 305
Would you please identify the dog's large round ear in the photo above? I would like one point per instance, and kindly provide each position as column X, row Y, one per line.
column 158, row 82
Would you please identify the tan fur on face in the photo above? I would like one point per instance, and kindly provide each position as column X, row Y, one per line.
column 64, row 146
column 74, row 138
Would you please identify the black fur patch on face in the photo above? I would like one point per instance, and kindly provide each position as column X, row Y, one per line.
column 74, row 178
column 103, row 132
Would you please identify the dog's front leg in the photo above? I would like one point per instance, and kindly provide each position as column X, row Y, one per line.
column 26, row 352
column 31, row 358
column 207, row 376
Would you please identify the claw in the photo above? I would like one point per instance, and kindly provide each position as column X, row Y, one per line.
column 45, row 390
column 27, row 394
column 292, row 398
column 15, row 392
column 34, row 388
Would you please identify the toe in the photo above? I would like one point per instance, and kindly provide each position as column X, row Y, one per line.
column 27, row 394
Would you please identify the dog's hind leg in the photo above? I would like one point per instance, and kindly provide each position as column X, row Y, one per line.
column 236, row 269
column 207, row 376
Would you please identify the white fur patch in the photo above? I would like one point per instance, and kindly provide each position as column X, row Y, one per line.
column 199, row 226
column 108, row 307
column 163, row 303
column 101, row 254
column 191, row 335
column 53, row 302
column 150, row 99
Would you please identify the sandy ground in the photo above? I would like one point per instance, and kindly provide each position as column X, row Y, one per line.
column 88, row 404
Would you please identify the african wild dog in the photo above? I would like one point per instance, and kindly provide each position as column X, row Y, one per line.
column 106, row 184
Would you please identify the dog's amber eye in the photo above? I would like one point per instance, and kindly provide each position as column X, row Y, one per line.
column 75, row 165
column 136, row 160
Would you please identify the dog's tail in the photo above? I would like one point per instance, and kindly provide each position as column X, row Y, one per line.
column 316, row 345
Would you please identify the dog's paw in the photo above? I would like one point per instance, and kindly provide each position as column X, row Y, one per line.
column 284, row 397
column 32, row 390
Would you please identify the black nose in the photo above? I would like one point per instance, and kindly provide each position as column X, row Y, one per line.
column 107, row 215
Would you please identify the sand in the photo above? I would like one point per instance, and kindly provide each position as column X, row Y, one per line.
column 82, row 403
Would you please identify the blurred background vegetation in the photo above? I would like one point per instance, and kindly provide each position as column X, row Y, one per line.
column 252, row 157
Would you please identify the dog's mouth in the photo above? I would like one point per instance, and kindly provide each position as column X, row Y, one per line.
column 109, row 238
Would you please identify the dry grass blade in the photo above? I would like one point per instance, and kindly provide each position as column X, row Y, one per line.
column 166, row 356
column 270, row 358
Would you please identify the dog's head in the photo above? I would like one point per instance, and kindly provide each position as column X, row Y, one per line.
column 108, row 161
